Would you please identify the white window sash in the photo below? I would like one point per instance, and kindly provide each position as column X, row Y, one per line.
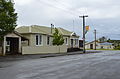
column 38, row 40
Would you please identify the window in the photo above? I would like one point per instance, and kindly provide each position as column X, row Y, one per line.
column 76, row 42
column 110, row 47
column 101, row 47
column 7, row 46
column 48, row 40
column 66, row 40
column 38, row 40
column 8, row 43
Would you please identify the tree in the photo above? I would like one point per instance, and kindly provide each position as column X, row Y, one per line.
column 117, row 47
column 57, row 38
column 8, row 17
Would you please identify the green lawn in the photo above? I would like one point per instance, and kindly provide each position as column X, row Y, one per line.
column 101, row 49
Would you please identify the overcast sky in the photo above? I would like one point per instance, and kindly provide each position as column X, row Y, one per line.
column 104, row 15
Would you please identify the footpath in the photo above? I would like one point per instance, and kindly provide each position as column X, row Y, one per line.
column 36, row 56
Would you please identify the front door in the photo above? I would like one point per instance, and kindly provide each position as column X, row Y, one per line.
column 91, row 46
column 12, row 46
column 72, row 43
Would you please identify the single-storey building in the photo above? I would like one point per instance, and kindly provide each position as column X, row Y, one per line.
column 37, row 40
column 104, row 45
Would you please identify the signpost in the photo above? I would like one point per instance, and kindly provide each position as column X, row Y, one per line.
column 87, row 29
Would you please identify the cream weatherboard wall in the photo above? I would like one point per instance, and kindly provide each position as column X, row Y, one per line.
column 44, row 49
column 32, row 40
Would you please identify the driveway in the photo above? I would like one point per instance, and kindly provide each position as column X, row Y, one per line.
column 104, row 65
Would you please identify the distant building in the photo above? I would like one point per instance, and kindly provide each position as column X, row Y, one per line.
column 106, row 45
column 115, row 42
column 102, row 39
column 103, row 45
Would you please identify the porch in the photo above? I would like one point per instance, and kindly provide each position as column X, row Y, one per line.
column 12, row 44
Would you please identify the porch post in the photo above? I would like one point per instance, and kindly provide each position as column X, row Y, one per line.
column 20, row 47
column 4, row 46
column 78, row 42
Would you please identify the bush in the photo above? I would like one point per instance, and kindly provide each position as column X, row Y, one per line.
column 117, row 48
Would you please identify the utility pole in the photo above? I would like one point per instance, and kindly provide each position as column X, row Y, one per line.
column 95, row 38
column 84, row 16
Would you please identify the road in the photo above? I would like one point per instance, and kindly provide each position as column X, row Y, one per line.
column 104, row 65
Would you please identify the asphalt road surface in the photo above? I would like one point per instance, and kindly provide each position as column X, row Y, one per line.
column 104, row 65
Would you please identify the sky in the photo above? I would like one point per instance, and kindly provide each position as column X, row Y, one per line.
column 103, row 15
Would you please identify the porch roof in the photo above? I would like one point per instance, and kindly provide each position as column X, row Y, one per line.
column 22, row 37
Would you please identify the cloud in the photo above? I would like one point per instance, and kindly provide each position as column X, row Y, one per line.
column 63, row 12
column 106, row 13
column 23, row 2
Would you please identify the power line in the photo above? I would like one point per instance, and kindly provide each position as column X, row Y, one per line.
column 66, row 10
column 72, row 13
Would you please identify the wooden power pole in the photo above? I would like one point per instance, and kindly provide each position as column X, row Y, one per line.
column 95, row 38
column 84, row 16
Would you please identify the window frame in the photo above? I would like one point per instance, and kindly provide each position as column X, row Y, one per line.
column 40, row 42
column 48, row 42
column 76, row 42
column 66, row 41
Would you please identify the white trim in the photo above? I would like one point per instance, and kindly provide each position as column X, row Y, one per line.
column 4, row 47
column 76, row 42
column 73, row 34
column 71, row 45
column 20, row 46
column 67, row 40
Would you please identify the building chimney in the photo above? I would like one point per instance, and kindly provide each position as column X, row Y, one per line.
column 52, row 26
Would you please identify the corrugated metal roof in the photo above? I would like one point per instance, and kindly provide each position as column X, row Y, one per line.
column 41, row 29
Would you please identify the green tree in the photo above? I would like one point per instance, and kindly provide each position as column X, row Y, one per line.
column 57, row 38
column 8, row 17
column 117, row 47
